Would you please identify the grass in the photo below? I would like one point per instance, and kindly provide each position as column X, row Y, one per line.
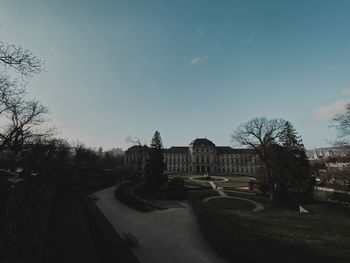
column 209, row 179
column 255, row 197
column 188, row 181
column 233, row 181
column 231, row 204
column 323, row 235
column 200, row 195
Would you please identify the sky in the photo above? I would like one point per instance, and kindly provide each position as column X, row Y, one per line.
column 185, row 68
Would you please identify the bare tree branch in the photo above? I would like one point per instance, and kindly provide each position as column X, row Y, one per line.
column 21, row 60
column 24, row 118
column 259, row 134
column 341, row 122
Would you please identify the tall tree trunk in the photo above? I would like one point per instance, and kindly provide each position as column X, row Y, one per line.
column 272, row 192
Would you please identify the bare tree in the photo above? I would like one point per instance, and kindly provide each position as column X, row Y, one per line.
column 24, row 117
column 341, row 122
column 259, row 134
column 337, row 176
column 10, row 93
column 21, row 60
column 19, row 117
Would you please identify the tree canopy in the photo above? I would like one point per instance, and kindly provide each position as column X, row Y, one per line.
column 155, row 177
column 341, row 122
column 284, row 166
column 20, row 117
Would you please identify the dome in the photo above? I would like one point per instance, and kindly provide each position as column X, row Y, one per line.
column 202, row 141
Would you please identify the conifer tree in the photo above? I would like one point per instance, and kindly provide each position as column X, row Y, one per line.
column 290, row 137
column 296, row 174
column 155, row 167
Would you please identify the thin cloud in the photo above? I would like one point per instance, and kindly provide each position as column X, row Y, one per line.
column 345, row 91
column 328, row 112
column 198, row 60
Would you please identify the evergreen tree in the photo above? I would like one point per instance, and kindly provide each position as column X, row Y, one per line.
column 155, row 167
column 296, row 174
column 290, row 137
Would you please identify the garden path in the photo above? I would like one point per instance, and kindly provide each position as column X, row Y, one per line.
column 171, row 235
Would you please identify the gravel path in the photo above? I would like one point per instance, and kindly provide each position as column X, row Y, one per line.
column 170, row 235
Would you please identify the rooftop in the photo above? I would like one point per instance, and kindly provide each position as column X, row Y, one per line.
column 202, row 141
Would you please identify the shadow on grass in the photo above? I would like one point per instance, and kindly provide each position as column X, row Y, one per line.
column 268, row 236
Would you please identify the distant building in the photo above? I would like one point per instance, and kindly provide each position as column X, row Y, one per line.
column 323, row 154
column 201, row 156
column 116, row 152
column 336, row 165
column 136, row 157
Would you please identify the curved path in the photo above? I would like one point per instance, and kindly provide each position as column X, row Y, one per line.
column 170, row 235
column 258, row 206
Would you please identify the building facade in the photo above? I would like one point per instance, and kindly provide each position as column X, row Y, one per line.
column 202, row 156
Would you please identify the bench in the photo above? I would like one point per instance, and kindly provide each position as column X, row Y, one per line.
column 130, row 238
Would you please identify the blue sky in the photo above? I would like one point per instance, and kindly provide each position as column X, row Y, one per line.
column 186, row 68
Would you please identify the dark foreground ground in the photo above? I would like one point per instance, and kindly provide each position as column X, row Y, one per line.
column 78, row 232
column 276, row 234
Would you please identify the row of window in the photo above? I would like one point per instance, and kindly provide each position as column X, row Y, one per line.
column 206, row 159
column 204, row 150
column 223, row 156
column 220, row 169
column 198, row 159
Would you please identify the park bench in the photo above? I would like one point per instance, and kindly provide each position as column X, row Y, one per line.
column 130, row 239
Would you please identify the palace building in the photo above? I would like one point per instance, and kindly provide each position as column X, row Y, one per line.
column 202, row 156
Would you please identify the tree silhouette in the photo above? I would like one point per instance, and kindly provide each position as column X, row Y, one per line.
column 20, row 117
column 284, row 163
column 155, row 177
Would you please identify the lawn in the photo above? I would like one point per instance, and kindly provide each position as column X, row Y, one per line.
column 231, row 204
column 233, row 181
column 252, row 196
column 323, row 235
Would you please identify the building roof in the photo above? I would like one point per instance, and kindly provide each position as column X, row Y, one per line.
column 335, row 151
column 185, row 149
column 136, row 148
column 230, row 150
column 202, row 141
column 176, row 149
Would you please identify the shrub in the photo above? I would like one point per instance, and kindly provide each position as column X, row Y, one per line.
column 130, row 200
column 176, row 189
